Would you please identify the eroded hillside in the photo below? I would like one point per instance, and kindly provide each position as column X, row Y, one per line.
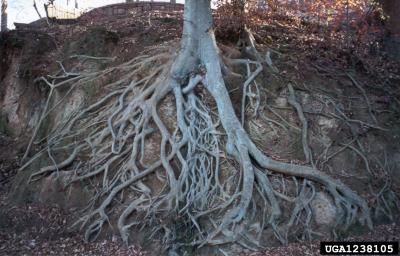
column 349, row 99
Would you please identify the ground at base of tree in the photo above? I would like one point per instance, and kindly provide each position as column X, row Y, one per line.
column 39, row 230
column 289, row 67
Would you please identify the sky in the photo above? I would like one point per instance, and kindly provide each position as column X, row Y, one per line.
column 22, row 11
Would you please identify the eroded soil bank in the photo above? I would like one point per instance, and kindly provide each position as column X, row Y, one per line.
column 358, row 134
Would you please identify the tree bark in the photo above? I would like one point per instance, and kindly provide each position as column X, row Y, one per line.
column 392, row 41
column 4, row 15
column 36, row 9
column 199, row 49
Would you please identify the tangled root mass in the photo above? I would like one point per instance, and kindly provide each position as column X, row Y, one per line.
column 106, row 144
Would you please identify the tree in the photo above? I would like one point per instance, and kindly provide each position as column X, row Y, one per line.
column 194, row 190
column 392, row 9
column 4, row 15
column 36, row 9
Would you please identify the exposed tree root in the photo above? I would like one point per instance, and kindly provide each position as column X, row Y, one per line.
column 304, row 133
column 385, row 199
column 110, row 137
column 370, row 110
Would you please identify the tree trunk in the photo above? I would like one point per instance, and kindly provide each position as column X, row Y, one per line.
column 199, row 49
column 3, row 15
column 36, row 9
column 392, row 41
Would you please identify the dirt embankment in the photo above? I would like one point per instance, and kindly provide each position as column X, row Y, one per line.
column 317, row 71
column 39, row 223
